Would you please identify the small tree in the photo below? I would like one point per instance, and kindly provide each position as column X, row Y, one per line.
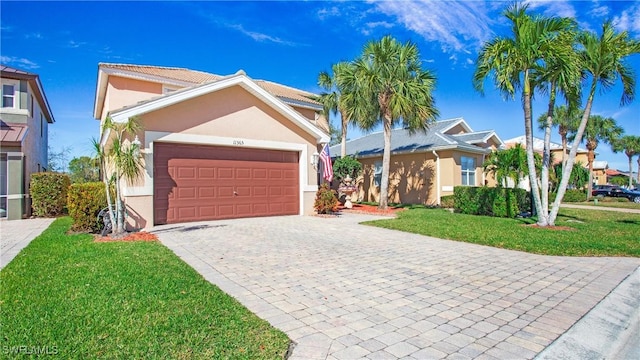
column 630, row 145
column 120, row 160
column 84, row 169
column 347, row 166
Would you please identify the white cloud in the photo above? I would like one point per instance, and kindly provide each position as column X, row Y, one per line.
column 21, row 62
column 33, row 36
column 454, row 24
column 260, row 37
column 75, row 44
column 328, row 12
column 370, row 26
column 562, row 8
column 629, row 19
column 598, row 10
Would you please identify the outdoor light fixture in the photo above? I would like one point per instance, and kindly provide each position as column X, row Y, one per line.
column 136, row 143
column 314, row 160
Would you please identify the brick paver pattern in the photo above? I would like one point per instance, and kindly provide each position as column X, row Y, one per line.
column 341, row 290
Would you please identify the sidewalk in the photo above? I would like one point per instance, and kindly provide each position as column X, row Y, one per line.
column 15, row 235
column 599, row 207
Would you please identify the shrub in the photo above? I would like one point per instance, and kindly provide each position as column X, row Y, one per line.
column 326, row 200
column 447, row 201
column 347, row 165
column 49, row 193
column 491, row 201
column 84, row 202
column 572, row 195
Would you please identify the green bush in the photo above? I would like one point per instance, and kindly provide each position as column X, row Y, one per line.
column 572, row 195
column 490, row 201
column 49, row 193
column 447, row 201
column 326, row 200
column 347, row 165
column 84, row 202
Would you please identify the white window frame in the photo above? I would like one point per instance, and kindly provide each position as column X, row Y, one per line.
column 377, row 173
column 12, row 96
column 468, row 176
column 5, row 196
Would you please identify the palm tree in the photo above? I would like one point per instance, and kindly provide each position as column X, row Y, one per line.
column 559, row 75
column 566, row 118
column 599, row 129
column 506, row 164
column 388, row 85
column 332, row 99
column 602, row 59
column 121, row 160
column 630, row 144
column 517, row 63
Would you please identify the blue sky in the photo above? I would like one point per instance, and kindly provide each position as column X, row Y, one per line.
column 285, row 42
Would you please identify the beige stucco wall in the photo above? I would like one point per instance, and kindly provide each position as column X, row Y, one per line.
column 413, row 177
column 123, row 92
column 229, row 113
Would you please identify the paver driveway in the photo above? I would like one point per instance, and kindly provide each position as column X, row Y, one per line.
column 346, row 291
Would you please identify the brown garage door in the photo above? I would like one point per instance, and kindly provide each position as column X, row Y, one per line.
column 197, row 182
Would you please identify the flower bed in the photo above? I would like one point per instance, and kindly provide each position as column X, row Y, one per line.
column 371, row 209
column 135, row 236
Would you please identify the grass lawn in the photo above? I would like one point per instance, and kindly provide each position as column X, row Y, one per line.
column 592, row 233
column 80, row 299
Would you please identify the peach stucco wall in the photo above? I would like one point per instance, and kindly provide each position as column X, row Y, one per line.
column 123, row 92
column 413, row 177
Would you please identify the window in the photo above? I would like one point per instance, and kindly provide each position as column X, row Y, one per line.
column 468, row 165
column 8, row 95
column 31, row 108
column 377, row 173
column 41, row 125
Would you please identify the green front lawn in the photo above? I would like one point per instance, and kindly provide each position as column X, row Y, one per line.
column 68, row 295
column 591, row 233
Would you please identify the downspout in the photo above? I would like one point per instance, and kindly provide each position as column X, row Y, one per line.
column 484, row 180
column 437, row 176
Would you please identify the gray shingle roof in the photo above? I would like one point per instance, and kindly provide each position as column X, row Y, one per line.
column 402, row 141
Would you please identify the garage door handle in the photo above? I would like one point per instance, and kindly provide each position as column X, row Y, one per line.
column 235, row 193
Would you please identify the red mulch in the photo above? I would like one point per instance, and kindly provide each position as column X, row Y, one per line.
column 135, row 236
column 371, row 209
column 556, row 228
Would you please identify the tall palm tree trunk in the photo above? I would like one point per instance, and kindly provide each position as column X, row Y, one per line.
column 343, row 143
column 638, row 174
column 566, row 172
column 386, row 160
column 528, row 130
column 630, row 157
column 546, row 154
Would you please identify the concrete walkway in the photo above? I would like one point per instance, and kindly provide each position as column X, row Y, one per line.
column 600, row 207
column 15, row 235
column 346, row 291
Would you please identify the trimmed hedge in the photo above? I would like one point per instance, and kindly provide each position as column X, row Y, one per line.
column 84, row 201
column 490, row 201
column 49, row 193
column 447, row 201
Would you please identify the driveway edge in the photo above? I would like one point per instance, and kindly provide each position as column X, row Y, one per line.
column 608, row 331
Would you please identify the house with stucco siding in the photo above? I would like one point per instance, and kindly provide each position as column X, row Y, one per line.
column 214, row 147
column 424, row 165
column 25, row 116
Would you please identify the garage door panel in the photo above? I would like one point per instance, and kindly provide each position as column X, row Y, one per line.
column 193, row 183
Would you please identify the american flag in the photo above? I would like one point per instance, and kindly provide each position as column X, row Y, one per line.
column 326, row 163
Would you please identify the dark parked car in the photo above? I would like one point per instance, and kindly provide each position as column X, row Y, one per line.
column 616, row 191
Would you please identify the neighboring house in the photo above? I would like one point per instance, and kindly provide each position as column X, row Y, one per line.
column 599, row 172
column 425, row 165
column 556, row 154
column 24, row 119
column 215, row 147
